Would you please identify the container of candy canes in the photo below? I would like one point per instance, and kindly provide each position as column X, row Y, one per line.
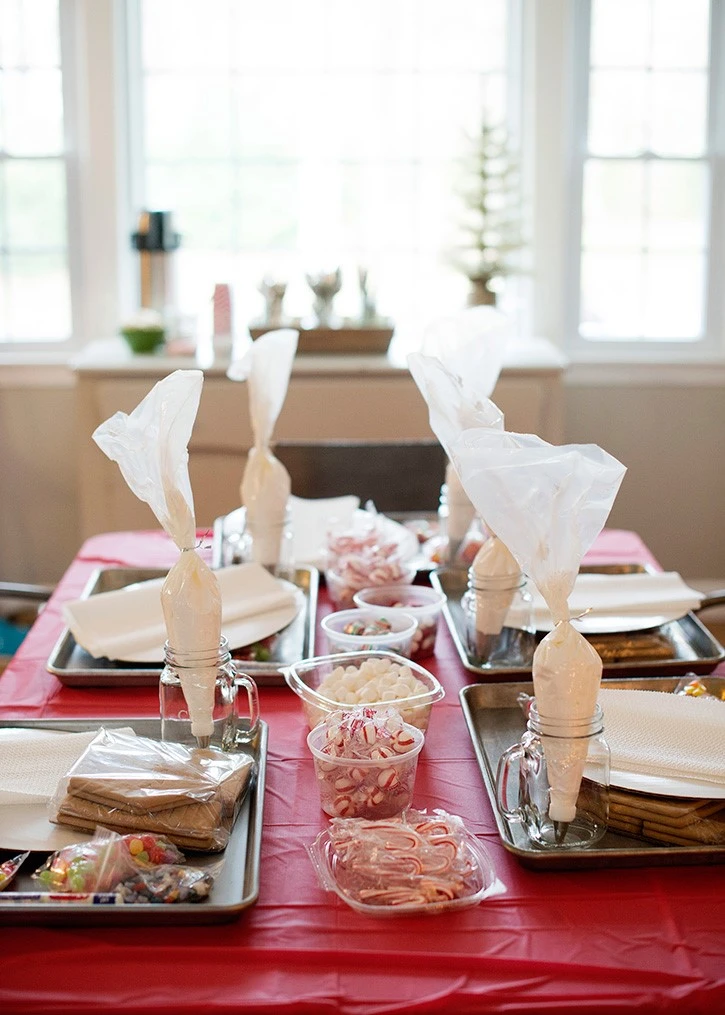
column 418, row 863
column 379, row 679
column 370, row 630
column 422, row 602
column 365, row 762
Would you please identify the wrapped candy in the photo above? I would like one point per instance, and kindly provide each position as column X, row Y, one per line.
column 150, row 446
column 98, row 865
column 456, row 371
column 548, row 504
column 266, row 485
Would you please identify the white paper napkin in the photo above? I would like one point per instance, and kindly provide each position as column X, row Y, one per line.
column 311, row 518
column 128, row 624
column 32, row 762
column 621, row 602
column 669, row 736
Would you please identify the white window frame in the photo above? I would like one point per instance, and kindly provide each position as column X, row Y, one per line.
column 711, row 347
column 95, row 126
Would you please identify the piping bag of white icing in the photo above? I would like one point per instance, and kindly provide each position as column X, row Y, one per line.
column 456, row 371
column 266, row 485
column 494, row 560
column 150, row 446
column 548, row 504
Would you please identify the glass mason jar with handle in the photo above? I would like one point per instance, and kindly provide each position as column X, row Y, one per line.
column 185, row 691
column 562, row 798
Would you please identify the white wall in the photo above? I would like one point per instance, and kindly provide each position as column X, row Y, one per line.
column 672, row 440
column 669, row 437
column 38, row 490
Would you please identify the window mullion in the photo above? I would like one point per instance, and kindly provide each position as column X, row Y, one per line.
column 91, row 96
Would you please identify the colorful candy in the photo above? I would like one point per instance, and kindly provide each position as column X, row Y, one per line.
column 366, row 628
column 166, row 884
column 696, row 688
column 10, row 868
column 98, row 865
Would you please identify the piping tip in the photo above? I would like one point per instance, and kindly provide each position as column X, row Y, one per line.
column 203, row 742
column 560, row 830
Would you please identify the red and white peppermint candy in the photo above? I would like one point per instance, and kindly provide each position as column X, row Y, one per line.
column 344, row 806
column 345, row 783
column 387, row 778
column 402, row 741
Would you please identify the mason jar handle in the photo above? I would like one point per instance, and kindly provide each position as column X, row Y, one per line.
column 244, row 680
column 515, row 753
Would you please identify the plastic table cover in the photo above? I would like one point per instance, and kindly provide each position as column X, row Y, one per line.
column 624, row 940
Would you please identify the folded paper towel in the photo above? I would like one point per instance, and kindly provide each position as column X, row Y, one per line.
column 666, row 736
column 128, row 624
column 621, row 602
column 33, row 761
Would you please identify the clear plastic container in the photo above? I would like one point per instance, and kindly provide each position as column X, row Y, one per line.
column 419, row 601
column 341, row 629
column 333, row 876
column 310, row 679
column 342, row 585
column 365, row 787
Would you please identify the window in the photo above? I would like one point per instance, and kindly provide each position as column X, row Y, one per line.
column 647, row 173
column 305, row 136
column 34, row 275
column 288, row 137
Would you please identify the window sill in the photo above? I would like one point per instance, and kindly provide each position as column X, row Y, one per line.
column 58, row 369
column 704, row 374
column 112, row 356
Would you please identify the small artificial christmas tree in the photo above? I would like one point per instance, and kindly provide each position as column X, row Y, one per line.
column 492, row 225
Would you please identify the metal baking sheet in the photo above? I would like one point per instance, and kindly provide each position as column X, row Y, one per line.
column 76, row 668
column 495, row 721
column 679, row 647
column 236, row 886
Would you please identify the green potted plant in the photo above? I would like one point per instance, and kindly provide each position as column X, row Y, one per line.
column 145, row 332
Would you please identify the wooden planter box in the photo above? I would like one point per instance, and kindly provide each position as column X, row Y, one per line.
column 345, row 339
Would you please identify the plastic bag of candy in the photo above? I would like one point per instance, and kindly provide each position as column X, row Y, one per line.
column 9, row 868
column 166, row 884
column 105, row 860
column 696, row 687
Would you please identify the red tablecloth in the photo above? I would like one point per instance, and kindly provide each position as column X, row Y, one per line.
column 634, row 940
